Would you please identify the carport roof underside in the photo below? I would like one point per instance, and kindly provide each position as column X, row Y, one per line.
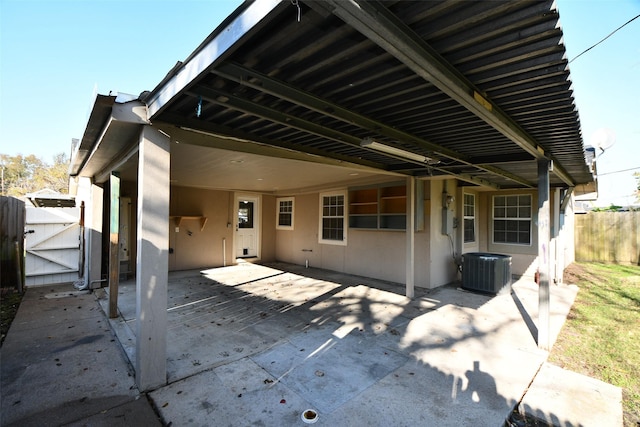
column 479, row 89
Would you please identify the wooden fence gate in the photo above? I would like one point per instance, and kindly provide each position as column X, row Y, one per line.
column 52, row 245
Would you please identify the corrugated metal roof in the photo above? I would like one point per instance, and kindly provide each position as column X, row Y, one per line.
column 481, row 87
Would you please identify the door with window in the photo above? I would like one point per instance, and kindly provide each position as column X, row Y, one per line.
column 247, row 235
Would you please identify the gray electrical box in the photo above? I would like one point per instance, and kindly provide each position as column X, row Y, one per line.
column 447, row 222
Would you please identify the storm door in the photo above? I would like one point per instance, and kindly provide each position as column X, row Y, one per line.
column 247, row 226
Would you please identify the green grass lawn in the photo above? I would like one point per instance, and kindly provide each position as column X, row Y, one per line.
column 601, row 337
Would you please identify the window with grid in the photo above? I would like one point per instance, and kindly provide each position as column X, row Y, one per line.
column 512, row 219
column 469, row 218
column 332, row 218
column 285, row 213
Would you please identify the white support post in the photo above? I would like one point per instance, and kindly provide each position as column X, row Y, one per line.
column 152, row 259
column 558, row 247
column 411, row 247
column 114, row 232
column 544, row 265
column 93, row 247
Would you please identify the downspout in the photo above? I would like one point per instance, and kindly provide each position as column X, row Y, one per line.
column 224, row 251
column 82, row 242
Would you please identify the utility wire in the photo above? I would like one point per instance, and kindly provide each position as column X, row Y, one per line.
column 624, row 170
column 612, row 33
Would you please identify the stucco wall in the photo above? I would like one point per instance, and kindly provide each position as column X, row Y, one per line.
column 370, row 253
column 442, row 266
column 567, row 232
column 268, row 241
column 524, row 257
column 129, row 189
column 191, row 246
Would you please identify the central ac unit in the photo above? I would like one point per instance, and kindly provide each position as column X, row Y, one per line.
column 487, row 273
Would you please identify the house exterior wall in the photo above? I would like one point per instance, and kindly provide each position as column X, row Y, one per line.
column 196, row 248
column 268, row 241
column 92, row 197
column 564, row 237
column 301, row 244
column 129, row 190
column 442, row 266
column 567, row 231
column 524, row 257
column 370, row 253
column 191, row 246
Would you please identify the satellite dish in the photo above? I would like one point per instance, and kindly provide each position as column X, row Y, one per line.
column 603, row 139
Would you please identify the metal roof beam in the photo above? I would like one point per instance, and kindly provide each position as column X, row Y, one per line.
column 466, row 177
column 284, row 91
column 377, row 23
column 248, row 107
column 205, row 134
column 504, row 158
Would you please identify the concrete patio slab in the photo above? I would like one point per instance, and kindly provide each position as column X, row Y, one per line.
column 61, row 363
column 352, row 348
column 564, row 398
column 277, row 340
column 328, row 371
column 239, row 393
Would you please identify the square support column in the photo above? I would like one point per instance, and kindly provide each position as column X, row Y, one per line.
column 93, row 247
column 544, row 264
column 152, row 259
column 114, row 236
column 411, row 246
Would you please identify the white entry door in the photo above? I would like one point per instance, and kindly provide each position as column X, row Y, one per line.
column 247, row 226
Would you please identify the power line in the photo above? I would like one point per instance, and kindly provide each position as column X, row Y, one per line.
column 610, row 34
column 623, row 170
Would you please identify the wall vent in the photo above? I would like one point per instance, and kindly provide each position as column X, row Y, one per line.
column 487, row 273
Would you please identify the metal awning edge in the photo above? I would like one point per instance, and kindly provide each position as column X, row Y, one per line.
column 222, row 40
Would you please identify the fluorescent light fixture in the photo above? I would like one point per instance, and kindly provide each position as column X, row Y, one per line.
column 398, row 152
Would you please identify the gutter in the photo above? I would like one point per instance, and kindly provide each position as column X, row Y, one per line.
column 98, row 117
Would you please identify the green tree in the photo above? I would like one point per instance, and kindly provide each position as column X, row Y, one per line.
column 54, row 176
column 26, row 174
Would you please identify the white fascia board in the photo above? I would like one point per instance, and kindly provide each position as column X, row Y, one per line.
column 210, row 52
column 130, row 112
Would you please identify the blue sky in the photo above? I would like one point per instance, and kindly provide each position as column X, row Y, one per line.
column 54, row 54
column 606, row 84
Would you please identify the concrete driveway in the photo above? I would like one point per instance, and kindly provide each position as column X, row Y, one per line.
column 260, row 344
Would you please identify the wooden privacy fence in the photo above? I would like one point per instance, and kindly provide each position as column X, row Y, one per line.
column 608, row 237
column 12, row 217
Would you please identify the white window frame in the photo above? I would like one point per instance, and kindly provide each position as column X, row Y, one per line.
column 469, row 217
column 278, row 212
column 510, row 218
column 344, row 216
